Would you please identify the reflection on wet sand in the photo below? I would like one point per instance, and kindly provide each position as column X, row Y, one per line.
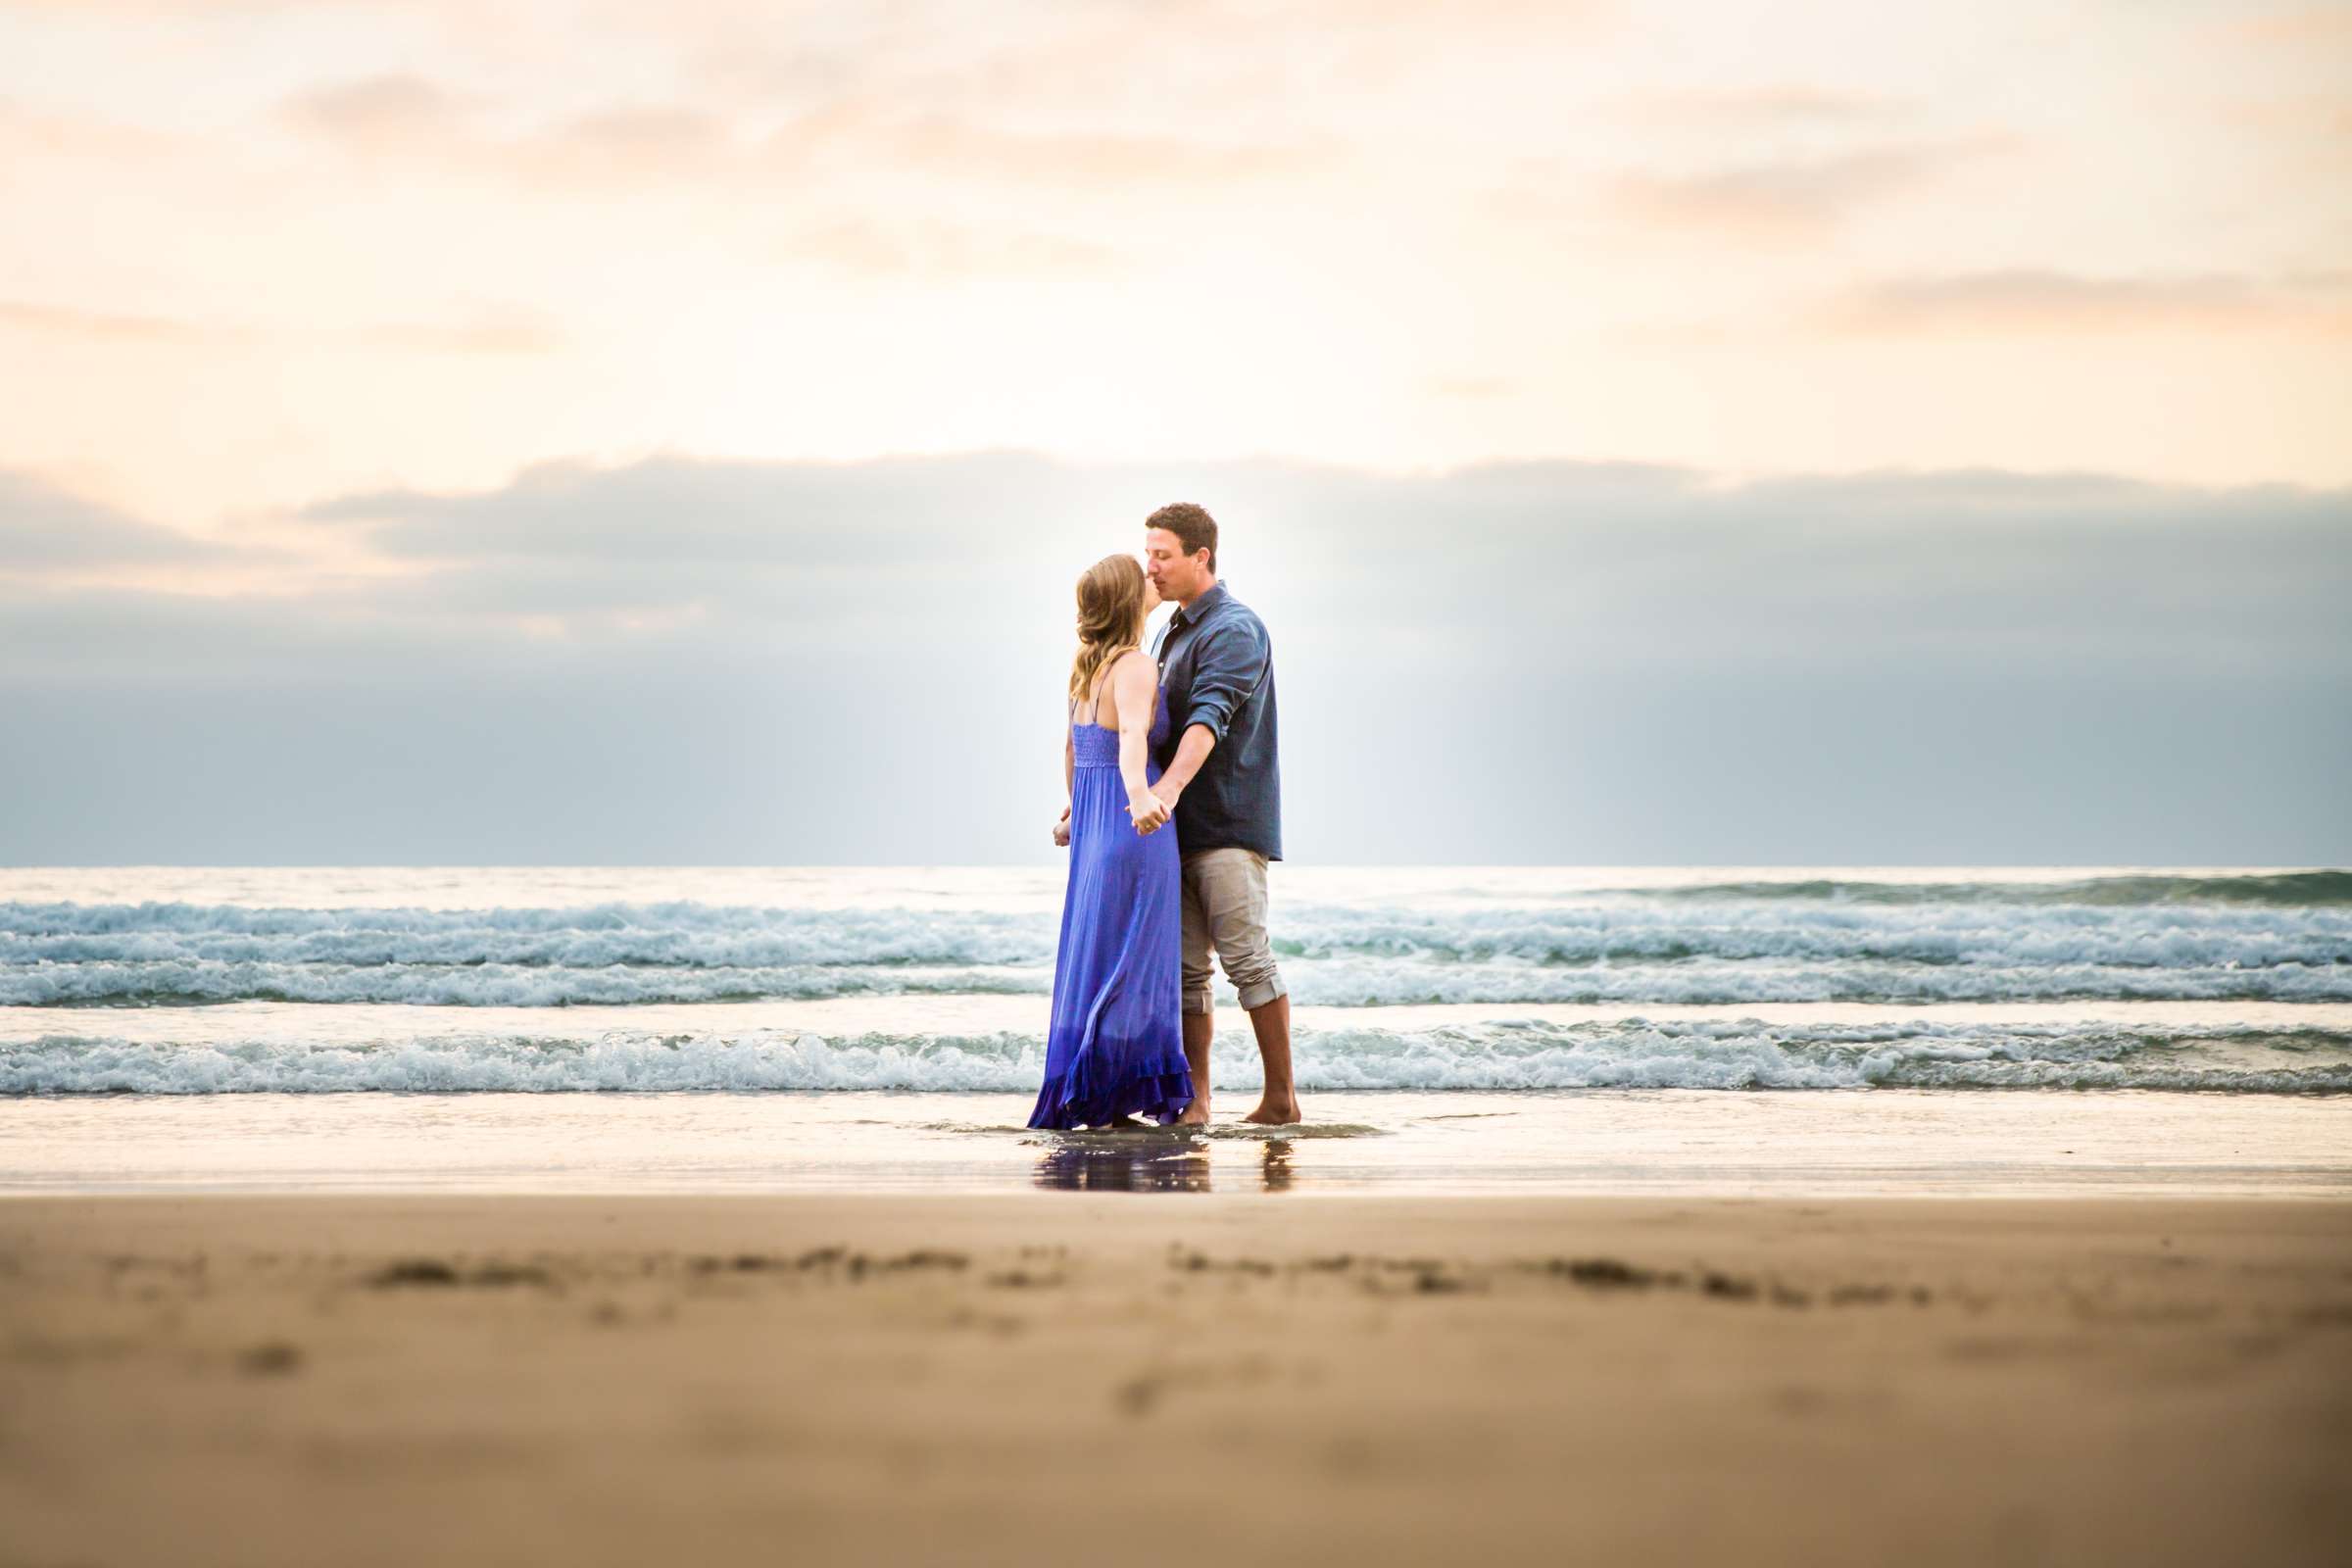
column 1148, row 1160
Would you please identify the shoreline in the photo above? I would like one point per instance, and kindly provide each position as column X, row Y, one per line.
column 1045, row 1198
column 1499, row 1145
column 380, row 1377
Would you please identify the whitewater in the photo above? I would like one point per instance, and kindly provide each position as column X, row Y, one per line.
column 810, row 1025
column 321, row 981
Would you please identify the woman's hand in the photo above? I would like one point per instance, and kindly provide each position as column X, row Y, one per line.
column 1149, row 812
column 1061, row 830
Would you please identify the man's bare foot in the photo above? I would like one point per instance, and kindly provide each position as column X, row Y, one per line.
column 1194, row 1114
column 1275, row 1113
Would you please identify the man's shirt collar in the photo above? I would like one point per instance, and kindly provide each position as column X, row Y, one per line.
column 1193, row 613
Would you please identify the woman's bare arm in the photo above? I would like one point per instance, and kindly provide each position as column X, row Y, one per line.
column 1069, row 784
column 1135, row 689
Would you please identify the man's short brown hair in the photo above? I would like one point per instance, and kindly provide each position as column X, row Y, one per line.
column 1192, row 525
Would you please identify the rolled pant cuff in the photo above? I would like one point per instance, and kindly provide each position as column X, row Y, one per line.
column 1265, row 991
column 1198, row 1002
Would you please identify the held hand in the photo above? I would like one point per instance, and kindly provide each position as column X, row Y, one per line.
column 1168, row 792
column 1149, row 812
column 1061, row 829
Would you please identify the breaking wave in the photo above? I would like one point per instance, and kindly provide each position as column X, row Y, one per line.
column 1628, row 1053
column 2280, row 889
column 1733, row 944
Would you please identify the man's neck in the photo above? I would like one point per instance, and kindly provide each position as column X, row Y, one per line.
column 1205, row 591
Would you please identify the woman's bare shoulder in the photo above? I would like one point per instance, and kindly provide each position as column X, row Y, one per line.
column 1129, row 684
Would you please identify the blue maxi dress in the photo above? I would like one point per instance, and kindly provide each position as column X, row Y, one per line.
column 1115, row 1044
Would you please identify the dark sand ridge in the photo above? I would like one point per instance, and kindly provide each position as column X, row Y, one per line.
column 263, row 1380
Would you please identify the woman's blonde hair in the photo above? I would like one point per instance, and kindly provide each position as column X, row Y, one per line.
column 1110, row 610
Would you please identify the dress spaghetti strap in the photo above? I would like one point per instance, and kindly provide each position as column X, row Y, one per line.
column 1108, row 670
column 1093, row 707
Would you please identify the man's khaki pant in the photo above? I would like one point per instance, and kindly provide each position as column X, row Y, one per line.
column 1225, row 908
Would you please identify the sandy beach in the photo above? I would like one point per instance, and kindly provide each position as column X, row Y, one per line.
column 486, row 1379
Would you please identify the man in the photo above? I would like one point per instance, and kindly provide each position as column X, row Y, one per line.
column 1218, row 776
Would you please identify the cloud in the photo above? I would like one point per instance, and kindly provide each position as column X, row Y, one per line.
column 774, row 547
column 505, row 329
column 66, row 549
column 45, row 528
column 27, row 134
column 2028, row 302
column 380, row 112
column 1795, row 198
column 1097, row 160
column 1763, row 106
column 774, row 663
column 2299, row 29
column 643, row 141
column 2313, row 126
column 408, row 116
column 933, row 249
column 639, row 144
column 106, row 327
column 1800, row 565
column 1240, row 63
column 1236, row 166
column 500, row 331
column 150, row 8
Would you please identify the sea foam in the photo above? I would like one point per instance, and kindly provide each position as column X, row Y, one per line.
column 1732, row 944
column 1627, row 1053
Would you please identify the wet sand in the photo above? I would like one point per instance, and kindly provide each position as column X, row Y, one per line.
column 591, row 1380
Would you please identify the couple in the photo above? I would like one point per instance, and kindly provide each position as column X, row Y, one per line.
column 1174, row 811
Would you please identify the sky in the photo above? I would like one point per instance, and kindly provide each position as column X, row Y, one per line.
column 1689, row 433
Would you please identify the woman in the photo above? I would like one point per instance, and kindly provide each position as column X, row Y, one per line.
column 1115, row 1045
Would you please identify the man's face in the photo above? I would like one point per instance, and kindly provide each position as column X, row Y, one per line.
column 1176, row 576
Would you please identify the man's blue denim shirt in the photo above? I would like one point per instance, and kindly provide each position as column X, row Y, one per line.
column 1216, row 664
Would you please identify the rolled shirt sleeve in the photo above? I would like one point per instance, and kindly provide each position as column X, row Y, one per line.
column 1227, row 665
column 1217, row 664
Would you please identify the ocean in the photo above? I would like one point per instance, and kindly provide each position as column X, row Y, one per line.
column 1699, row 1030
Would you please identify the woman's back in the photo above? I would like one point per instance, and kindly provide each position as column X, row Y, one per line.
column 1100, row 701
